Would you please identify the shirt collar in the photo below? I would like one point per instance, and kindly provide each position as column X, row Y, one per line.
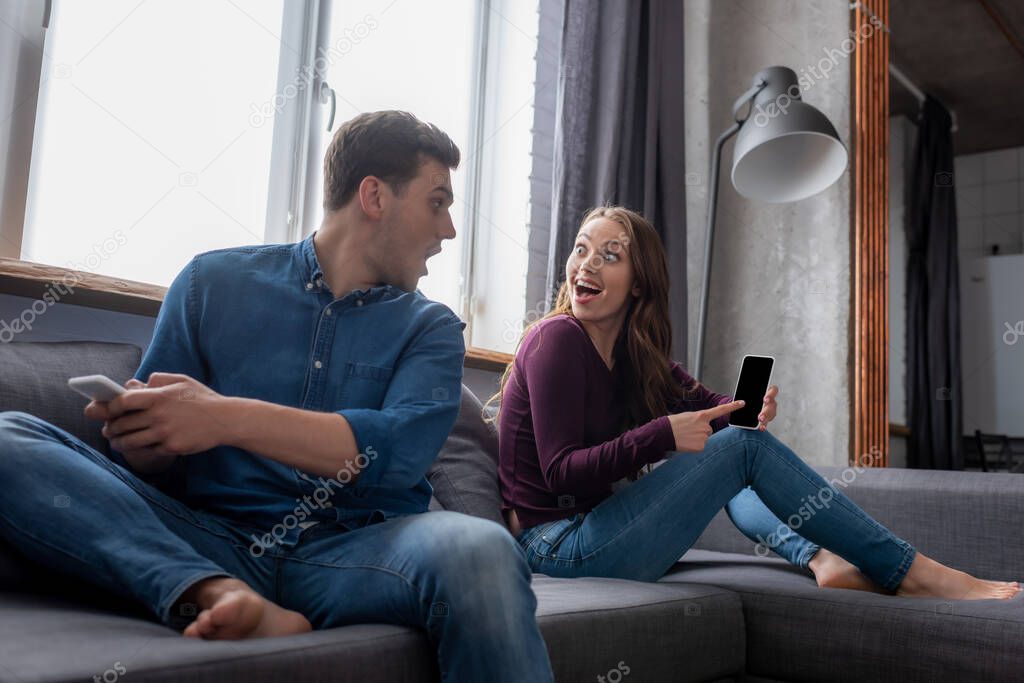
column 312, row 277
column 310, row 272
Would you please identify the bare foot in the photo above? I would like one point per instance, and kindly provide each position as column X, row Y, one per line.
column 832, row 571
column 231, row 610
column 930, row 579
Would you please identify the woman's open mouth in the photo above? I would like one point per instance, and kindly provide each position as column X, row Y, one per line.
column 585, row 291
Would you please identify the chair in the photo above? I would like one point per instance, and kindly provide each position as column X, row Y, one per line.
column 1005, row 451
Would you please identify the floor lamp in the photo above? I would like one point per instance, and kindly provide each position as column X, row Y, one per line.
column 786, row 150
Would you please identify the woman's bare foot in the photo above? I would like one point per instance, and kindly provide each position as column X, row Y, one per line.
column 231, row 610
column 832, row 571
column 927, row 578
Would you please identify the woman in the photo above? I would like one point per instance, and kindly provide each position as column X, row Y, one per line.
column 592, row 397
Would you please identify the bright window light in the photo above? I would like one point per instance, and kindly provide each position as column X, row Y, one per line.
column 144, row 153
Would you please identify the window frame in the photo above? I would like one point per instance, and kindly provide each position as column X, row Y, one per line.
column 299, row 128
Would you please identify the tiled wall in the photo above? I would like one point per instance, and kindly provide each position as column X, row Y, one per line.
column 990, row 208
column 990, row 201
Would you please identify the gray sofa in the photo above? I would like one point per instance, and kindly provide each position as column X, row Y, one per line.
column 722, row 613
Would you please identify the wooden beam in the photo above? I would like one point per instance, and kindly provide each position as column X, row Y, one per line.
column 869, row 425
column 36, row 281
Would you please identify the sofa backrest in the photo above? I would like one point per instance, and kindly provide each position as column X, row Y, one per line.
column 34, row 379
column 972, row 521
column 34, row 375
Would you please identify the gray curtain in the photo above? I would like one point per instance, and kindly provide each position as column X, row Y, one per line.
column 619, row 130
column 934, row 389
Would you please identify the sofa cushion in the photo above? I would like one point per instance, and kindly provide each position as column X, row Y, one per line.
column 610, row 629
column 967, row 520
column 35, row 380
column 50, row 639
column 591, row 627
column 465, row 473
column 798, row 631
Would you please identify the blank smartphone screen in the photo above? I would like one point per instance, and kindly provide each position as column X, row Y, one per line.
column 751, row 387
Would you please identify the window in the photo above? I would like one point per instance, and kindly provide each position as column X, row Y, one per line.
column 171, row 127
column 469, row 70
column 409, row 56
column 144, row 153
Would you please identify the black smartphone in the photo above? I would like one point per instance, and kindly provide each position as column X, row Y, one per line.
column 755, row 376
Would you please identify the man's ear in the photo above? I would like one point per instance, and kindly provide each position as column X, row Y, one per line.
column 371, row 199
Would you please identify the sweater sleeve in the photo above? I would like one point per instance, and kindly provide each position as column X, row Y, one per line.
column 699, row 397
column 552, row 359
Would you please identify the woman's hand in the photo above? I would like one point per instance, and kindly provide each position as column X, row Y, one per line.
column 693, row 428
column 768, row 409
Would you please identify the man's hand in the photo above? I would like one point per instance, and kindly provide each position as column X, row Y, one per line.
column 143, row 460
column 171, row 415
column 693, row 428
column 769, row 408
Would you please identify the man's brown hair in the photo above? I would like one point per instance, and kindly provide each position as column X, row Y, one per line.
column 391, row 145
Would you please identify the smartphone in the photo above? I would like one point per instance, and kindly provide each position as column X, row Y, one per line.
column 751, row 386
column 97, row 387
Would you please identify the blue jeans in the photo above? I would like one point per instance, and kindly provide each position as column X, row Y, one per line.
column 461, row 579
column 642, row 530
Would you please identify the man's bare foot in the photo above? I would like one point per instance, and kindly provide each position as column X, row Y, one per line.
column 832, row 571
column 231, row 610
column 927, row 578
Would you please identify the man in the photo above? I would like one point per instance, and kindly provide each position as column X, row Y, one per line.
column 297, row 394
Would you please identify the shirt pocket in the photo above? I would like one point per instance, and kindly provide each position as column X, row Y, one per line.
column 365, row 385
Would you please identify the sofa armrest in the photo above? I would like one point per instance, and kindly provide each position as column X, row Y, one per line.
column 972, row 521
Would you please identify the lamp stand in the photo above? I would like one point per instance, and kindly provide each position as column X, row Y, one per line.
column 709, row 241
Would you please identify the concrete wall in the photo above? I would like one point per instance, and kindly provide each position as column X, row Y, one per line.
column 781, row 273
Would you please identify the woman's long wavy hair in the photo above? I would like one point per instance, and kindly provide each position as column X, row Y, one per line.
column 649, row 389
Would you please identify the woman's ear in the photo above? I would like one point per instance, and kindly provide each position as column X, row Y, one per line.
column 636, row 291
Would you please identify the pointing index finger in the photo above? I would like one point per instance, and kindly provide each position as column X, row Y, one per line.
column 724, row 409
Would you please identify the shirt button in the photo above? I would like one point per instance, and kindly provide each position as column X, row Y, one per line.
column 327, row 312
column 359, row 302
column 309, row 285
column 318, row 365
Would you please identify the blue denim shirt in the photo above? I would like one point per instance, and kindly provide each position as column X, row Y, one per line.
column 259, row 322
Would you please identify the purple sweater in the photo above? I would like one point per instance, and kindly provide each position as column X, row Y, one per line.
column 559, row 446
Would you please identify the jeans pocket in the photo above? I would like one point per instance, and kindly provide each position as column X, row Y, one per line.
column 546, row 543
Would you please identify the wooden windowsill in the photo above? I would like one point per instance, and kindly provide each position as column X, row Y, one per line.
column 36, row 281
column 898, row 430
column 483, row 359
